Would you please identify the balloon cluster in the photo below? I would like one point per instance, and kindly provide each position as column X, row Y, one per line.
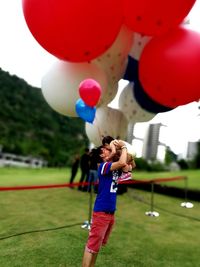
column 142, row 41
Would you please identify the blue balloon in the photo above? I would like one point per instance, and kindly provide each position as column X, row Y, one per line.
column 84, row 111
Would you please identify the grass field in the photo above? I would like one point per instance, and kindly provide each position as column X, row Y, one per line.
column 42, row 228
column 17, row 176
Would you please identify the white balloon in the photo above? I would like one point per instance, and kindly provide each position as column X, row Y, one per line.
column 130, row 107
column 60, row 86
column 140, row 41
column 109, row 95
column 114, row 62
column 108, row 121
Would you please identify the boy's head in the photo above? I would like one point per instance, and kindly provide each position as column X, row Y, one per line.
column 104, row 152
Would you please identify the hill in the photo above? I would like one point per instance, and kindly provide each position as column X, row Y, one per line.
column 28, row 126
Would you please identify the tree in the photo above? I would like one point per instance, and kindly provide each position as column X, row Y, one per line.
column 170, row 156
column 29, row 127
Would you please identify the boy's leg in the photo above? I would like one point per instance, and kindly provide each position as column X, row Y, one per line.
column 100, row 223
column 109, row 230
column 89, row 258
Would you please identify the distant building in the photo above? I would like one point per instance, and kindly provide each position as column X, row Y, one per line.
column 130, row 131
column 192, row 150
column 12, row 160
column 152, row 148
column 152, row 145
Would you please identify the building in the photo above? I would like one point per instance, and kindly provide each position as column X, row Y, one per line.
column 192, row 150
column 149, row 145
column 12, row 160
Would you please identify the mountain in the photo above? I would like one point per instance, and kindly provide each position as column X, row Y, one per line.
column 29, row 127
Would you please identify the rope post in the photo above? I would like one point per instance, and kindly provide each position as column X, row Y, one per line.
column 87, row 224
column 152, row 195
column 152, row 213
column 90, row 204
column 186, row 204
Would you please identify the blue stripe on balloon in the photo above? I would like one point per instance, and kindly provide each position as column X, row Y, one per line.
column 142, row 98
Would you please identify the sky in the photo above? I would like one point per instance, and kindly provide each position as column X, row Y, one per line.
column 20, row 54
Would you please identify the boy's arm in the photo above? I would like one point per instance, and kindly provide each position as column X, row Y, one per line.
column 113, row 149
column 123, row 157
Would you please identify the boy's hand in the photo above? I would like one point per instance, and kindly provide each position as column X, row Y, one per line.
column 117, row 143
column 120, row 143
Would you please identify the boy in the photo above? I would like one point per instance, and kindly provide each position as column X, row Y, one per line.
column 105, row 204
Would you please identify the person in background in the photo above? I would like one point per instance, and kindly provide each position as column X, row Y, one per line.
column 93, row 173
column 84, row 165
column 74, row 169
column 103, row 217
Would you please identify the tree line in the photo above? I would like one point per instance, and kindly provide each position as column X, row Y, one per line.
column 30, row 127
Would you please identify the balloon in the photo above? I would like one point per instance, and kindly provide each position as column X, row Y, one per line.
column 60, row 84
column 90, row 92
column 74, row 30
column 114, row 60
column 169, row 68
column 146, row 102
column 140, row 41
column 109, row 95
column 108, row 121
column 142, row 98
column 131, row 73
column 85, row 112
column 155, row 17
column 131, row 108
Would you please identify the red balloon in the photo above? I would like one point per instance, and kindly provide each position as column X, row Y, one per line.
column 156, row 16
column 74, row 30
column 169, row 68
column 90, row 92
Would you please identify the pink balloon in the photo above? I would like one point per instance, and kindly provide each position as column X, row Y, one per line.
column 155, row 17
column 90, row 92
column 74, row 30
column 169, row 68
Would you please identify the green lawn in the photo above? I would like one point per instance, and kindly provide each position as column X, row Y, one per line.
column 17, row 176
column 20, row 176
column 42, row 228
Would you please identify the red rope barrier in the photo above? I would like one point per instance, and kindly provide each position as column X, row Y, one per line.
column 26, row 187
column 157, row 180
column 31, row 187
